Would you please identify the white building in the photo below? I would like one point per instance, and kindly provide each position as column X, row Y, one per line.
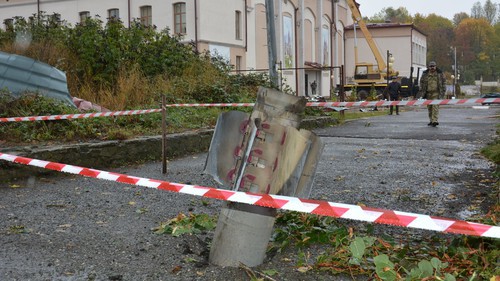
column 310, row 36
column 405, row 43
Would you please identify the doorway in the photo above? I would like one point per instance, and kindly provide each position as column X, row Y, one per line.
column 306, row 80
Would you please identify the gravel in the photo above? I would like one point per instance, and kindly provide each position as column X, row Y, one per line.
column 74, row 228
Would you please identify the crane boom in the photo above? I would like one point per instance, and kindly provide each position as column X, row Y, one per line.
column 356, row 16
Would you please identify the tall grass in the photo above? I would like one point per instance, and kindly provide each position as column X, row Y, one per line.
column 131, row 90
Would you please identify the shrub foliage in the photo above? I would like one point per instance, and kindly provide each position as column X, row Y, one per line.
column 122, row 67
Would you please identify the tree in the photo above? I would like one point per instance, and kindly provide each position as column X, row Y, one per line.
column 399, row 15
column 494, row 50
column 418, row 19
column 490, row 11
column 439, row 31
column 459, row 17
column 475, row 42
column 476, row 10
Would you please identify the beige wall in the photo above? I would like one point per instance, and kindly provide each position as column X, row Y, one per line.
column 260, row 43
column 309, row 34
column 219, row 27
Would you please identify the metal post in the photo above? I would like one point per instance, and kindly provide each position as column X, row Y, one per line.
column 342, row 91
column 164, row 134
column 281, row 76
column 455, row 71
column 388, row 73
column 331, row 82
column 271, row 41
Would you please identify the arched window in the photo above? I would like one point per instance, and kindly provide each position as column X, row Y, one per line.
column 325, row 40
column 288, row 41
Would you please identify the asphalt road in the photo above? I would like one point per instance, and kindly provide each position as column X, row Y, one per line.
column 397, row 162
column 75, row 228
column 456, row 123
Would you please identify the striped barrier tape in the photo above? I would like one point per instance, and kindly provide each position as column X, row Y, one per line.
column 210, row 104
column 312, row 104
column 408, row 103
column 323, row 208
column 78, row 116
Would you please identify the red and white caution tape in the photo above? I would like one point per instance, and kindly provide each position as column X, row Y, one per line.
column 407, row 103
column 324, row 208
column 359, row 103
column 312, row 104
column 209, row 105
column 78, row 116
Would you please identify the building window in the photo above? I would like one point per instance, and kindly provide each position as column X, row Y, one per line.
column 113, row 14
column 237, row 24
column 238, row 64
column 9, row 24
column 180, row 18
column 288, row 41
column 84, row 16
column 146, row 15
column 325, row 34
column 55, row 19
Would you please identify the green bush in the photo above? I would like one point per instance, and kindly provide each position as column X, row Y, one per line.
column 124, row 68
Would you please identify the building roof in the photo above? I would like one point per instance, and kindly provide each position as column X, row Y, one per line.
column 374, row 25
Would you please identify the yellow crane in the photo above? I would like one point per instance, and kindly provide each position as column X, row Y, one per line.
column 367, row 76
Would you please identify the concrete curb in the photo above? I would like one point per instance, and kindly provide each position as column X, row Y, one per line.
column 108, row 154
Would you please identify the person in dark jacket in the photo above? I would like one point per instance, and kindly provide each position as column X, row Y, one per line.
column 432, row 87
column 393, row 91
column 313, row 88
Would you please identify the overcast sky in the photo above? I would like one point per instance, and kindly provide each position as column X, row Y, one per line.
column 444, row 8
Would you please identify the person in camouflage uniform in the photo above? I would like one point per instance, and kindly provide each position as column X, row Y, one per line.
column 432, row 87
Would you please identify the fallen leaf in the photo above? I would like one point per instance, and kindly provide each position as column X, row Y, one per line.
column 270, row 272
column 451, row 196
column 472, row 208
column 177, row 269
column 351, row 232
column 304, row 269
